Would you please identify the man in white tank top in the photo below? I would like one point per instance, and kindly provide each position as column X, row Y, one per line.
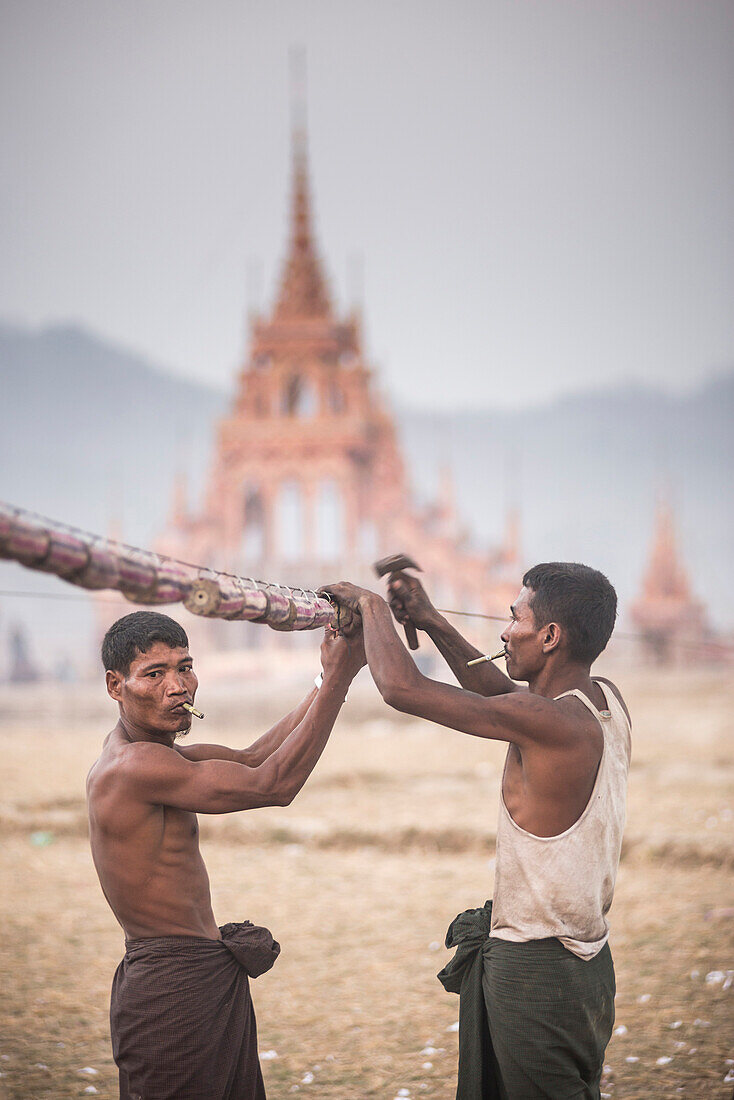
column 535, row 963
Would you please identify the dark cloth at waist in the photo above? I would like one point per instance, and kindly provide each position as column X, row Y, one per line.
column 251, row 945
column 534, row 1019
column 181, row 1016
column 477, row 1079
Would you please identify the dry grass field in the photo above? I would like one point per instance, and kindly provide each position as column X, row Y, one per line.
column 358, row 879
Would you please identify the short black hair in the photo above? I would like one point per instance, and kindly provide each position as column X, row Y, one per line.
column 578, row 598
column 134, row 634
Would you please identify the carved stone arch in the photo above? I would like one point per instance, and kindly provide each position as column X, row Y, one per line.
column 291, row 394
column 368, row 539
column 290, row 519
column 255, row 525
column 330, row 520
column 300, row 397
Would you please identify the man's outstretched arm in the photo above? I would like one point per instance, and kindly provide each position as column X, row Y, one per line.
column 520, row 717
column 408, row 600
column 164, row 776
column 258, row 752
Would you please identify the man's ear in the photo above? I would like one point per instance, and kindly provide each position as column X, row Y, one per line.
column 114, row 682
column 552, row 637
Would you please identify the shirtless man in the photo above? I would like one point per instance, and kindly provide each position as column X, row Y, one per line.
column 182, row 1022
column 537, row 957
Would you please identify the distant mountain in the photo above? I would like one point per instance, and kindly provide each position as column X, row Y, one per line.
column 93, row 433
column 586, row 470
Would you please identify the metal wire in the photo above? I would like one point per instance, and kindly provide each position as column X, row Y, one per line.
column 91, row 537
column 626, row 635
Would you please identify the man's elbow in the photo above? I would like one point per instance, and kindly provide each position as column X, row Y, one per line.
column 283, row 796
column 397, row 695
column 281, row 785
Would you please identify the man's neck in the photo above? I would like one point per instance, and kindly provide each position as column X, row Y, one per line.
column 130, row 732
column 552, row 681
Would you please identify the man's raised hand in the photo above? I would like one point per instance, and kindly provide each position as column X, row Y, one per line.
column 345, row 593
column 343, row 652
column 408, row 601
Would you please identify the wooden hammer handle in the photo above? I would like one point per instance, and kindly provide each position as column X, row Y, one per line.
column 411, row 635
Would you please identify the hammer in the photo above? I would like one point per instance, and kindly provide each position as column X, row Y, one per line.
column 394, row 563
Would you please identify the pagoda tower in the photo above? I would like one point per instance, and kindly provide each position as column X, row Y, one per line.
column 671, row 621
column 308, row 482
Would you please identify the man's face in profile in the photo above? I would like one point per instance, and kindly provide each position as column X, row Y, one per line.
column 523, row 639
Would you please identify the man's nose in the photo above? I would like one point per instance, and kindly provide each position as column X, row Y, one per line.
column 175, row 685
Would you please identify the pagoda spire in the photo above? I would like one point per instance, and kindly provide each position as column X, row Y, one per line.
column 303, row 292
column 665, row 577
column 673, row 623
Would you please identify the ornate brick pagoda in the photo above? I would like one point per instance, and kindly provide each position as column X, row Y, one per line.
column 308, row 482
column 671, row 621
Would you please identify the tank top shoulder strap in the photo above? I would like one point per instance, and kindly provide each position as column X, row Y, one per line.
column 613, row 708
column 604, row 713
column 578, row 694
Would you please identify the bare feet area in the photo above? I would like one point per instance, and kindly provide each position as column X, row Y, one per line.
column 358, row 879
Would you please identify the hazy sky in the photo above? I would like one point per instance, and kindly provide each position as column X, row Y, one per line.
column 541, row 191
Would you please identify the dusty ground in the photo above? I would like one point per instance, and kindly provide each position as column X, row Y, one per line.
column 358, row 879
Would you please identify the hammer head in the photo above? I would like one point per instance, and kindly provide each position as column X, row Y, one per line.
column 393, row 563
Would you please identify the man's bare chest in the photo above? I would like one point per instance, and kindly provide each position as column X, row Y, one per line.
column 546, row 794
column 179, row 830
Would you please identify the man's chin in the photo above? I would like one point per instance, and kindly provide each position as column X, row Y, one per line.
column 182, row 732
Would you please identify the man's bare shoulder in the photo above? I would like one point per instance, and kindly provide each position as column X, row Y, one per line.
column 579, row 725
column 544, row 721
column 124, row 763
column 618, row 693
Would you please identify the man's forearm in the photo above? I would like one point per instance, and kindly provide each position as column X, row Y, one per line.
column 483, row 679
column 294, row 760
column 392, row 668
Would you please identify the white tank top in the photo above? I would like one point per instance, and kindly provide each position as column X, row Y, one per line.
column 563, row 885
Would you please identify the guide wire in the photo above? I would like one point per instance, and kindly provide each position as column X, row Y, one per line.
column 626, row 636
column 92, row 538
